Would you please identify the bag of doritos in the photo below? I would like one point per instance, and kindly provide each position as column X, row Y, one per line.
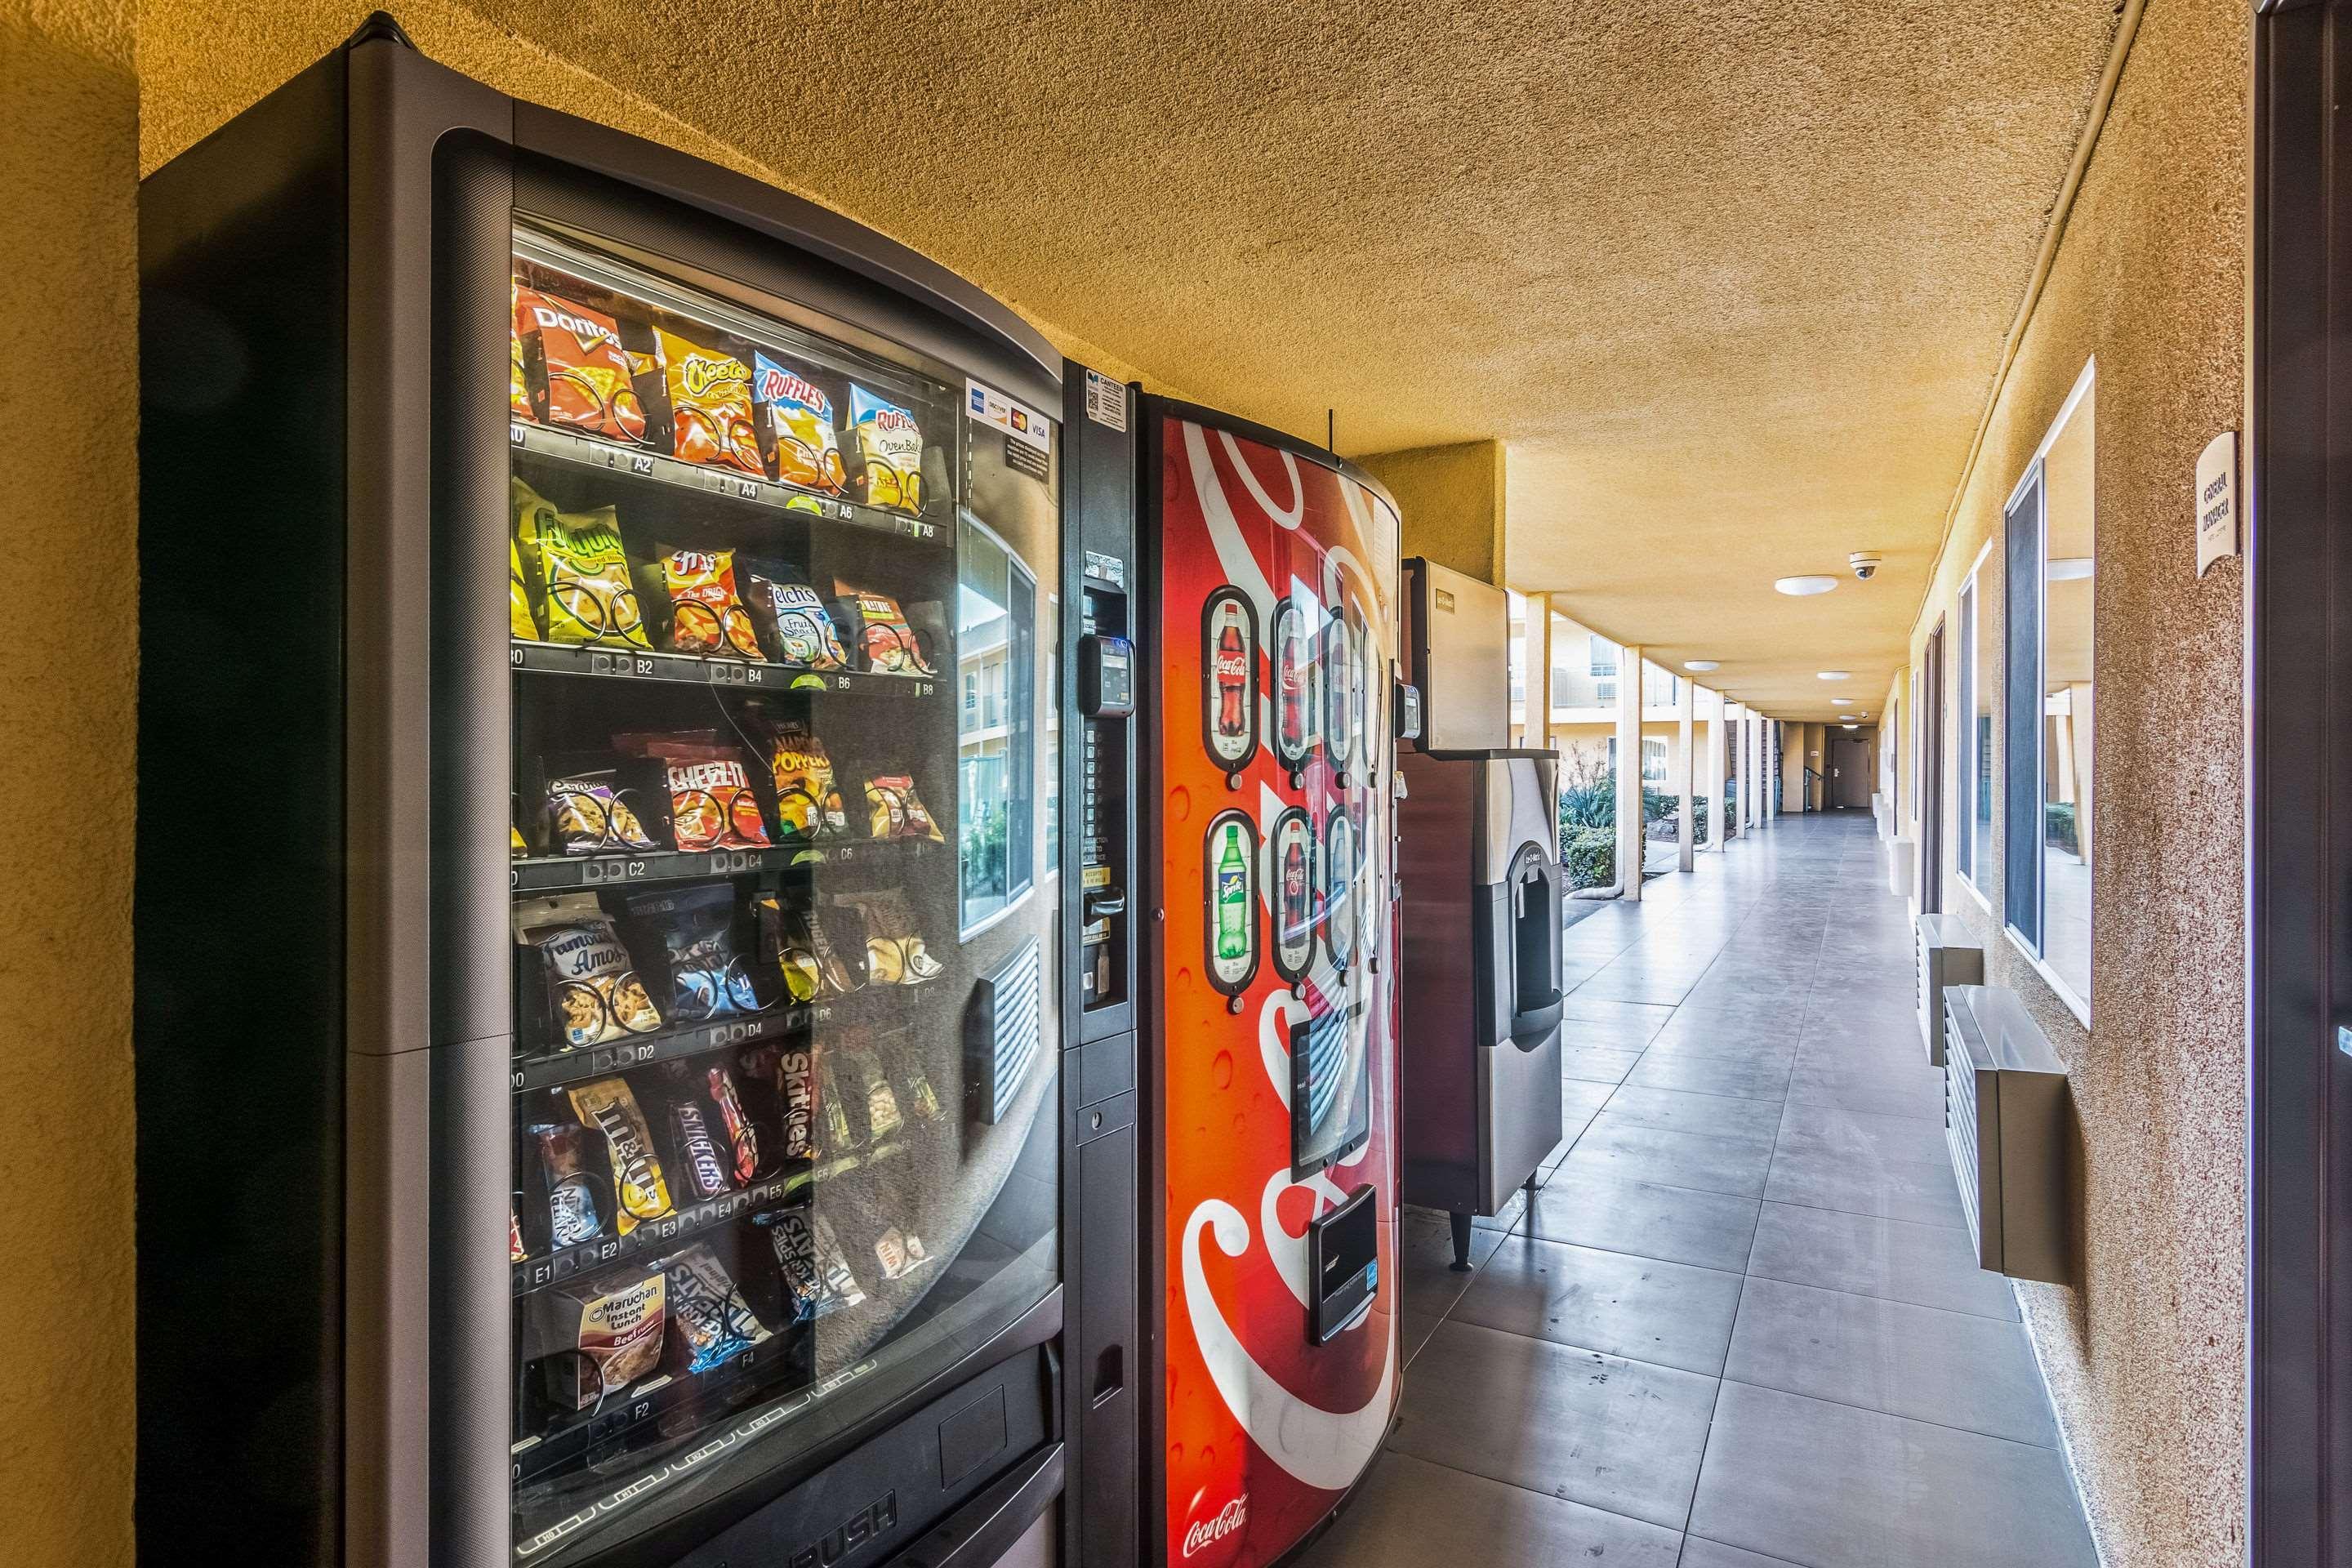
column 706, row 614
column 519, row 402
column 796, row 425
column 890, row 454
column 589, row 597
column 709, row 406
column 579, row 353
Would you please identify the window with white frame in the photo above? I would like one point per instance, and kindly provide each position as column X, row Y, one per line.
column 1653, row 759
column 2050, row 530
column 1972, row 744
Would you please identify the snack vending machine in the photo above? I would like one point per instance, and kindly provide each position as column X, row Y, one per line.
column 1264, row 592
column 679, row 1175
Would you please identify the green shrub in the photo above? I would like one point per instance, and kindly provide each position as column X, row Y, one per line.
column 1589, row 855
column 2059, row 827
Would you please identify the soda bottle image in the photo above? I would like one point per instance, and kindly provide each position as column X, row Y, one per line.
column 1233, row 896
column 1292, row 683
column 1232, row 676
column 1296, row 915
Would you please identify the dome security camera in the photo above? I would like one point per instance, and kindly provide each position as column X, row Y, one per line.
column 1864, row 563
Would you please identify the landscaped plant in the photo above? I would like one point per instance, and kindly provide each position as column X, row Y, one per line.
column 2059, row 825
column 1588, row 856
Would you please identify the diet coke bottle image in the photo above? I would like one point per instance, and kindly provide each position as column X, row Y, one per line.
column 1229, row 679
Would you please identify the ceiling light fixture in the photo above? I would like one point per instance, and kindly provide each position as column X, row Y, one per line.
column 2067, row 569
column 1832, row 674
column 1849, row 726
column 1701, row 665
column 1804, row 587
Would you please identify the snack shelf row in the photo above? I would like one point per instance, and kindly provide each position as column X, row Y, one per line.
column 657, row 1238
column 702, row 479
column 647, row 1401
column 693, row 669
column 560, row 873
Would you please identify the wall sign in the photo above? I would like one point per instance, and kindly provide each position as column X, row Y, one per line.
column 2217, row 501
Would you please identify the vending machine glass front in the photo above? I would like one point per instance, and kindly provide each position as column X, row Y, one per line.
column 785, row 881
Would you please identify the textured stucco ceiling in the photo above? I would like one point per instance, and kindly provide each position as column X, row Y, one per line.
column 1729, row 280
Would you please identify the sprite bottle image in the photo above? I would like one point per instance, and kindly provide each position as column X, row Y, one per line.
column 1233, row 896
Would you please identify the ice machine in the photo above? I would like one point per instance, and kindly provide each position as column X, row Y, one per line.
column 1480, row 1043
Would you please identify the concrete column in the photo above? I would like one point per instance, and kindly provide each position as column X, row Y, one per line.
column 1629, row 772
column 1686, row 771
column 1716, row 706
column 1735, row 725
column 1772, row 769
column 1537, row 730
column 1752, row 798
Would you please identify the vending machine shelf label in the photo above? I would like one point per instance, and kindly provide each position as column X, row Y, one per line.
column 640, row 664
column 555, row 873
column 553, row 1069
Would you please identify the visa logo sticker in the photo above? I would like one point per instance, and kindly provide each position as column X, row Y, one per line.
column 1017, row 420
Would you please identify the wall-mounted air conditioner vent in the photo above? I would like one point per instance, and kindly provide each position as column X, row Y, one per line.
column 2004, row 1123
column 1948, row 954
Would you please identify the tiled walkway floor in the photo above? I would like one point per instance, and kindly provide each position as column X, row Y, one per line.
column 1740, row 1325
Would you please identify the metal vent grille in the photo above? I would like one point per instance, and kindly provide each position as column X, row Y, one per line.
column 2004, row 1124
column 1961, row 1137
column 1946, row 953
column 1007, row 1028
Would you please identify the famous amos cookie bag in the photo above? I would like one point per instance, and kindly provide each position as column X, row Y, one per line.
column 796, row 427
column 586, row 374
column 710, row 396
column 888, row 469
column 594, row 995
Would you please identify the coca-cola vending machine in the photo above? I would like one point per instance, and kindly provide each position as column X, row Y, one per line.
column 1260, row 595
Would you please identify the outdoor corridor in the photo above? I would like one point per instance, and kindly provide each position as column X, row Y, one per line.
column 1739, row 1326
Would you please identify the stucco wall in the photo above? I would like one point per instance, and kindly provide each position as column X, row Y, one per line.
column 1452, row 499
column 2144, row 1354
column 69, row 263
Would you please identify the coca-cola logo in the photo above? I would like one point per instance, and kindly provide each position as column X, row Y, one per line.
column 1225, row 1521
